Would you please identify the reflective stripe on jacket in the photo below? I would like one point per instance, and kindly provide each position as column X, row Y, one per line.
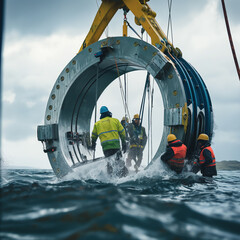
column 108, row 130
column 177, row 161
column 136, row 146
column 202, row 158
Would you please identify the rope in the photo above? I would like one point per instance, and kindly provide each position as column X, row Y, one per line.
column 151, row 114
column 150, row 110
column 96, row 94
column 133, row 29
column 170, row 19
column 149, row 120
column 97, row 3
column 230, row 39
column 128, row 24
column 143, row 100
column 122, row 91
column 125, row 90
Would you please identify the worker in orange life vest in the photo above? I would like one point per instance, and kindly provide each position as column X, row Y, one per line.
column 175, row 154
column 206, row 160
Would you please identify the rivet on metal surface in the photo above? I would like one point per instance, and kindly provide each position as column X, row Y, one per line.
column 53, row 96
column 136, row 44
column 50, row 107
column 90, row 49
column 74, row 62
column 145, row 48
column 175, row 93
column 177, row 105
column 58, row 86
column 155, row 53
column 118, row 42
column 62, row 78
column 67, row 70
column 170, row 76
column 48, row 117
column 58, row 170
column 54, row 159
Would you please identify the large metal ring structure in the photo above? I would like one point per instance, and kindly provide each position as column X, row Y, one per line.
column 187, row 106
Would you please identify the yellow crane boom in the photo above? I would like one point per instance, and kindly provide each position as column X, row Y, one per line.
column 144, row 16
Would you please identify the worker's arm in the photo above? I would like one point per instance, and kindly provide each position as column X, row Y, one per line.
column 167, row 155
column 122, row 134
column 94, row 137
column 208, row 156
column 195, row 167
column 144, row 137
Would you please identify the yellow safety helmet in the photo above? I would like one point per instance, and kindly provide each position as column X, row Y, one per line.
column 136, row 116
column 125, row 119
column 171, row 137
column 203, row 137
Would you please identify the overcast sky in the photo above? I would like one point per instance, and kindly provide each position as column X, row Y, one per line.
column 41, row 37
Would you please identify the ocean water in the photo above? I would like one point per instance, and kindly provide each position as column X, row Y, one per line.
column 88, row 204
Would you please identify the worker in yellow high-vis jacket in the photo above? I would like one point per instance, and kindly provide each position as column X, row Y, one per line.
column 109, row 130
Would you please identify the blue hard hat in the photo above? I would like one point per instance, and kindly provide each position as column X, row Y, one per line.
column 103, row 109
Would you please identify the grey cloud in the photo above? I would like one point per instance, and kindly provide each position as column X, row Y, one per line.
column 44, row 17
column 23, row 120
column 226, row 153
column 181, row 10
column 232, row 8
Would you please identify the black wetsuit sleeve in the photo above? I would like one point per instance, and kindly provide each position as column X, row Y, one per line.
column 207, row 155
column 167, row 155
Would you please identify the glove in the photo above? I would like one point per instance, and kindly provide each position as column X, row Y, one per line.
column 124, row 147
column 196, row 157
column 135, row 140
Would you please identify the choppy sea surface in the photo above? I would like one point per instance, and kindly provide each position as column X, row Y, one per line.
column 87, row 204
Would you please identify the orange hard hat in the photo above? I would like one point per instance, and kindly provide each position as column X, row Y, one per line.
column 136, row 116
column 203, row 137
column 171, row 137
column 125, row 119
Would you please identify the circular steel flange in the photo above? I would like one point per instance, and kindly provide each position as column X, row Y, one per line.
column 72, row 98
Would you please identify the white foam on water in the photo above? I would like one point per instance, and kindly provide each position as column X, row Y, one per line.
column 98, row 171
